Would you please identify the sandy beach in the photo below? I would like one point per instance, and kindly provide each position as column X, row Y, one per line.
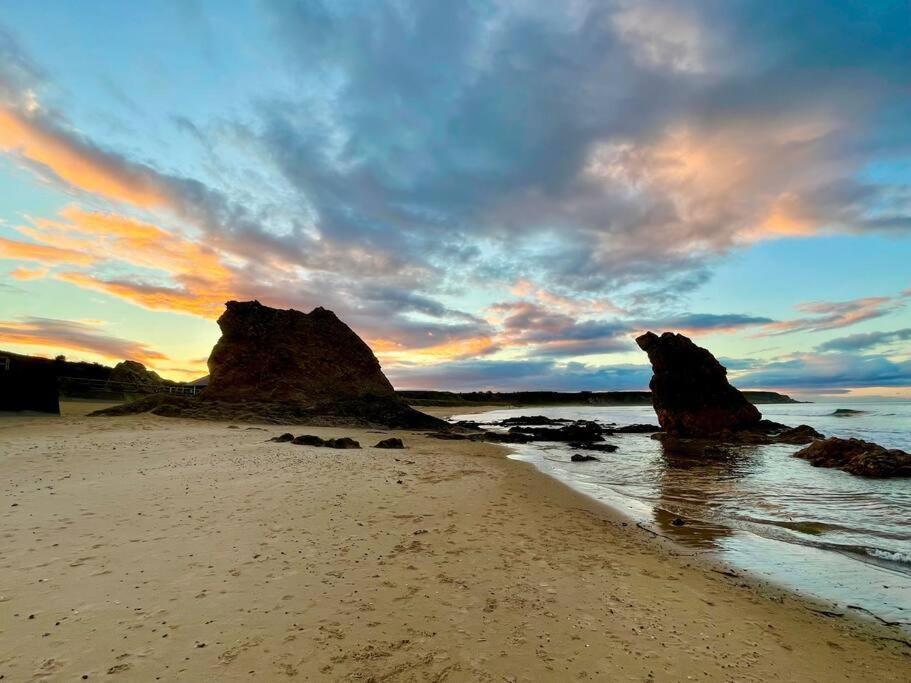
column 148, row 548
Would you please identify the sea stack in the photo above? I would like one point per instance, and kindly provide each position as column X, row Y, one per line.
column 267, row 354
column 690, row 391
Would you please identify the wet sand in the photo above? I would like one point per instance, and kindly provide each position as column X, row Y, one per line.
column 146, row 548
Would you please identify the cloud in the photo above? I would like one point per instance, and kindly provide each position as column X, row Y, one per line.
column 865, row 340
column 521, row 375
column 76, row 161
column 77, row 336
column 596, row 158
column 830, row 315
column 695, row 324
column 610, row 144
column 828, row 371
column 41, row 253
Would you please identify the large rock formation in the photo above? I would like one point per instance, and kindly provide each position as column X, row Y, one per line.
column 857, row 457
column 266, row 354
column 289, row 367
column 690, row 390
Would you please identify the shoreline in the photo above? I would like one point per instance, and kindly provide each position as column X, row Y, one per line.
column 778, row 575
column 451, row 561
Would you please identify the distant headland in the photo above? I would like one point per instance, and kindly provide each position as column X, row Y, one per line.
column 542, row 398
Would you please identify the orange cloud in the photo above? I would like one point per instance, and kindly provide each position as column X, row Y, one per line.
column 77, row 163
column 450, row 350
column 28, row 273
column 41, row 253
column 107, row 235
column 75, row 336
column 207, row 304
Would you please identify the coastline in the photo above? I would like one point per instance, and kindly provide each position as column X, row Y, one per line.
column 445, row 560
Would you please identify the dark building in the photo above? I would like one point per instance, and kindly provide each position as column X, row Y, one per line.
column 28, row 384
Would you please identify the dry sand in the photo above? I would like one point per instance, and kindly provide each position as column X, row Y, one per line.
column 144, row 548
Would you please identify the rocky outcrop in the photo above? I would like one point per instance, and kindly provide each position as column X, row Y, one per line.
column 637, row 429
column 857, row 457
column 797, row 436
column 391, row 442
column 135, row 373
column 267, row 354
column 578, row 431
column 283, row 438
column 690, row 391
column 603, row 447
column 287, row 367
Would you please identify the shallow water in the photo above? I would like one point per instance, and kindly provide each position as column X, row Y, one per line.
column 825, row 532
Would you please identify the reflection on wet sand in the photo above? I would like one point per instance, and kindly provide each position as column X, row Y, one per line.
column 694, row 479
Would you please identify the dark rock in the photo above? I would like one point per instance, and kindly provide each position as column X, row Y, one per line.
column 391, row 442
column 132, row 372
column 288, row 367
column 637, row 429
column 678, row 522
column 846, row 412
column 603, row 447
column 578, row 457
column 690, row 391
column 770, row 426
column 798, row 436
column 283, row 438
column 308, row 440
column 448, row 436
column 862, row 458
column 342, row 442
column 532, row 420
column 267, row 354
column 499, row 437
column 578, row 431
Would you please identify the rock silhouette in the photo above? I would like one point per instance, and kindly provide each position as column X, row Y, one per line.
column 267, row 354
column 858, row 457
column 288, row 367
column 133, row 372
column 690, row 391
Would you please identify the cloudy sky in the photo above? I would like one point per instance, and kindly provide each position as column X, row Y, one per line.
column 493, row 194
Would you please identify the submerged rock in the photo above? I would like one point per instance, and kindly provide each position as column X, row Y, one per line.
column 532, row 420
column 637, row 429
column 862, row 458
column 391, row 442
column 690, row 391
column 578, row 457
column 499, row 437
column 603, row 447
column 846, row 412
column 578, row 431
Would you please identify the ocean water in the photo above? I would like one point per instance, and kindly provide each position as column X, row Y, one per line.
column 832, row 535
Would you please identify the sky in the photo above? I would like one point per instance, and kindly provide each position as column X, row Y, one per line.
column 494, row 195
